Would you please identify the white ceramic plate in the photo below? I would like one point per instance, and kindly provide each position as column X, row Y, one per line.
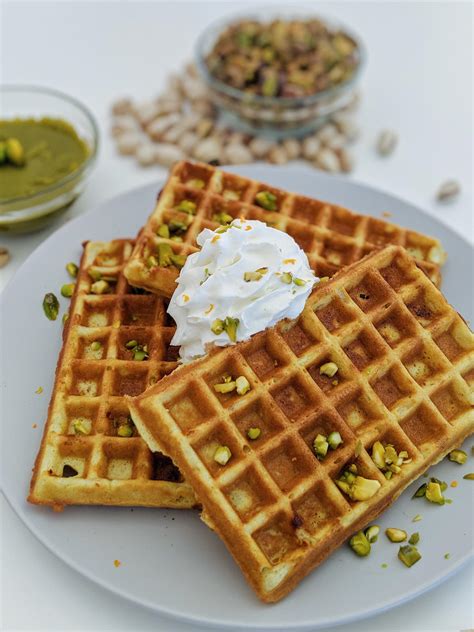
column 171, row 562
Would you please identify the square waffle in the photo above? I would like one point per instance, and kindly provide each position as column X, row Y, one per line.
column 84, row 457
column 405, row 362
column 331, row 235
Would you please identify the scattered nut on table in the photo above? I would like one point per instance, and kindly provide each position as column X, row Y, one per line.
column 386, row 142
column 448, row 191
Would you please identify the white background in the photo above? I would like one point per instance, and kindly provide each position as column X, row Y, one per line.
column 418, row 81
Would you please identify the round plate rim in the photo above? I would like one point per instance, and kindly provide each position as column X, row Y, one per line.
column 431, row 583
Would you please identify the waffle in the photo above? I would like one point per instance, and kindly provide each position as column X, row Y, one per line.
column 405, row 364
column 331, row 235
column 105, row 466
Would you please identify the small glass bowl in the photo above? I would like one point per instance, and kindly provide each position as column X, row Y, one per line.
column 281, row 117
column 32, row 212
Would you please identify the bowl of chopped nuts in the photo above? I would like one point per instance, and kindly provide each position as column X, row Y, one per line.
column 48, row 146
column 284, row 73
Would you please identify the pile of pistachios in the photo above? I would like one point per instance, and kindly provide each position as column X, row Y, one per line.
column 183, row 123
column 12, row 152
column 283, row 58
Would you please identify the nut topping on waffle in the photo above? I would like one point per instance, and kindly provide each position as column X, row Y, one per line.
column 198, row 196
column 401, row 396
column 91, row 452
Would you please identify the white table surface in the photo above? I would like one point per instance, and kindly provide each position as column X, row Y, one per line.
column 418, row 82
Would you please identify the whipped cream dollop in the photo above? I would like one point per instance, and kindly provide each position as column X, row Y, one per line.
column 246, row 277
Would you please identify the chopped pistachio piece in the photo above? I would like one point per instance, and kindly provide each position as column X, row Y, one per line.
column 243, row 385
column 131, row 344
column 82, row 426
column 358, row 448
column 421, row 491
column 253, row 433
column 217, row 326
column 151, row 261
column 359, row 488
column 447, row 556
column 329, row 369
column 414, row 538
column 177, row 239
column 197, row 183
column 469, row 477
column 372, row 533
column 178, row 260
column 267, row 200
column 50, row 306
column 222, row 218
column 286, row 277
column 163, row 231
column 256, row 275
column 67, row 290
column 100, row 287
column 72, row 269
column 417, row 518
column 396, row 535
column 320, row 446
column 96, row 345
column 299, row 282
column 140, row 354
column 226, row 387
column 187, row 206
column 65, row 317
column 222, row 455
column 334, row 440
column 378, row 455
column 360, row 544
column 434, row 493
column 458, row 456
column 409, row 555
column 165, row 253
column 230, row 327
column 177, row 227
column 125, row 430
column 95, row 275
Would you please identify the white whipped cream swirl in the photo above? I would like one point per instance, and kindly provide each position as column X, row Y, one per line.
column 212, row 285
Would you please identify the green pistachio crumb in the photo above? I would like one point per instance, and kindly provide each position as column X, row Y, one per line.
column 434, row 493
column 230, row 327
column 334, row 440
column 100, row 287
column 417, row 518
column 217, row 326
column 320, row 446
column 267, row 200
column 65, row 317
column 458, row 456
column 125, row 430
column 469, row 476
column 67, row 290
column 197, row 183
column 15, row 152
column 163, row 231
column 165, row 253
column 253, row 433
column 226, row 387
column 447, row 556
column 414, row 538
column 396, row 535
column 409, row 555
column 82, row 426
column 329, row 369
column 222, row 218
column 96, row 345
column 72, row 269
column 384, row 565
column 50, row 306
column 372, row 533
column 286, row 277
column 187, row 206
column 242, row 384
column 360, row 544
column 222, row 455
column 299, row 282
column 421, row 491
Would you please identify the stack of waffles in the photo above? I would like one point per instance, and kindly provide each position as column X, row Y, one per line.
column 404, row 373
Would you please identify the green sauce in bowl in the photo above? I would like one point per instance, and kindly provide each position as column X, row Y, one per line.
column 52, row 150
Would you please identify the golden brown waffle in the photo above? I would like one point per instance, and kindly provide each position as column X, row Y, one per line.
column 95, row 371
column 405, row 359
column 331, row 235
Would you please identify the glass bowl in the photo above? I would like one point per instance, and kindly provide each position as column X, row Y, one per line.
column 281, row 116
column 32, row 212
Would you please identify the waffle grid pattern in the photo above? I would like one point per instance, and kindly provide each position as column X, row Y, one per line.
column 406, row 370
column 90, row 387
column 332, row 236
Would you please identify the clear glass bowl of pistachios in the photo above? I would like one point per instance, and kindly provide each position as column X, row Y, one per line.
column 48, row 146
column 280, row 71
